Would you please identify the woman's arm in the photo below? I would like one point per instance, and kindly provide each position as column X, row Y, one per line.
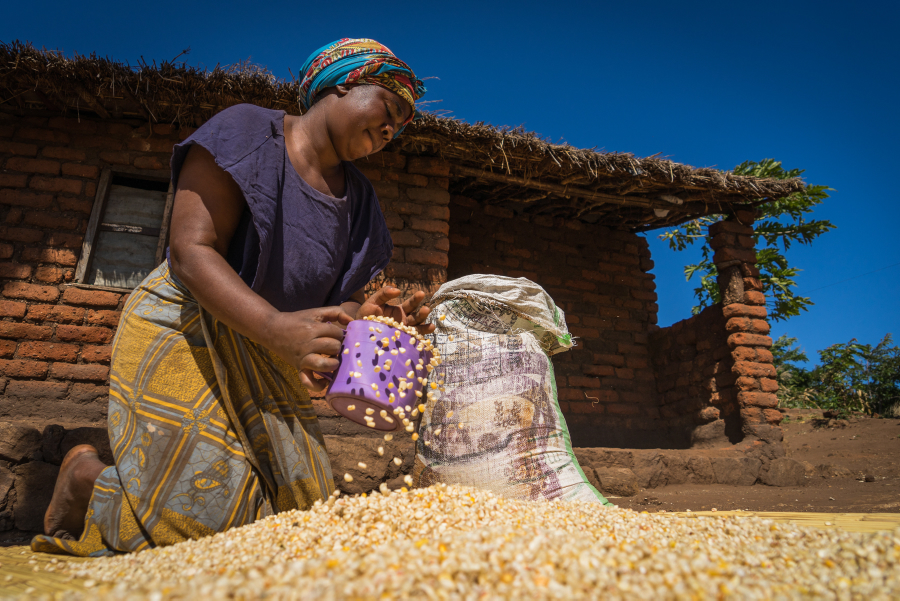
column 208, row 207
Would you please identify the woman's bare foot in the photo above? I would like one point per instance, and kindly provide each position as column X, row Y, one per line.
column 72, row 493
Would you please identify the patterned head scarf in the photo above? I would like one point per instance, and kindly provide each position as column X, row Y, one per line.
column 359, row 61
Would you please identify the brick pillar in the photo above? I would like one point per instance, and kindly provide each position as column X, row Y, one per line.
column 744, row 308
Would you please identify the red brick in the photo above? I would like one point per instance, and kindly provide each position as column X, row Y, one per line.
column 773, row 416
column 93, row 298
column 437, row 212
column 25, row 199
column 52, row 351
column 623, row 409
column 747, row 383
column 743, row 339
column 84, row 126
column 23, row 369
column 645, row 295
column 757, row 399
column 405, row 238
column 18, row 148
column 760, row 326
column 19, row 234
column 30, row 292
column 768, row 385
column 36, row 390
column 599, row 370
column 744, row 353
column 739, row 324
column 406, row 208
column 151, row 162
column 580, row 285
column 47, row 135
column 754, row 370
column 6, row 251
column 752, row 297
column 426, row 257
column 15, row 271
column 614, row 360
column 68, row 154
column 26, row 331
column 60, row 256
column 595, row 276
column 428, row 166
column 51, row 220
column 33, row 165
column 63, row 239
column 53, row 275
column 89, row 334
column 632, row 349
column 55, row 184
column 583, row 382
column 13, row 180
column 637, row 362
column 116, row 157
column 104, row 142
column 103, row 318
column 7, row 348
column 56, row 313
column 67, row 371
column 96, row 354
column 430, row 225
column 764, row 356
column 79, row 205
column 732, row 227
column 11, row 309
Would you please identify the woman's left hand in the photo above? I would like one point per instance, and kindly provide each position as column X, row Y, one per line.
column 410, row 313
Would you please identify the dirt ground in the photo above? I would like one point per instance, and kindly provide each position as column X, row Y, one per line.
column 865, row 446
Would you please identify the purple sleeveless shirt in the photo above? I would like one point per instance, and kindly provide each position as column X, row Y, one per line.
column 295, row 246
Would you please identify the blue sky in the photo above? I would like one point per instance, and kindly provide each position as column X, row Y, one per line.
column 813, row 84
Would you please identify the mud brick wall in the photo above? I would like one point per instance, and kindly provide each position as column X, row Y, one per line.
column 413, row 195
column 55, row 338
column 715, row 377
column 600, row 278
column 692, row 361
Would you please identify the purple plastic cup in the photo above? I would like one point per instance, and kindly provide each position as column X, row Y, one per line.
column 373, row 389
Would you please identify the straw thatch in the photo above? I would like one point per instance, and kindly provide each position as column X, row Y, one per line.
column 504, row 166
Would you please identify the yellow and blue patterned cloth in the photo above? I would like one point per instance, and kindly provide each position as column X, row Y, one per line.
column 360, row 60
column 209, row 431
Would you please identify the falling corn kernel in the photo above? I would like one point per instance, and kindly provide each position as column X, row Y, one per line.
column 410, row 428
column 449, row 414
column 421, row 408
column 380, row 451
column 410, row 374
column 419, row 393
column 383, row 487
column 450, row 338
column 351, row 407
column 398, row 461
column 402, row 350
column 362, row 465
column 394, row 351
column 391, row 385
column 408, row 479
column 385, row 341
column 412, row 340
column 348, row 477
column 433, row 385
column 374, row 386
column 389, row 437
column 370, row 424
column 460, row 425
column 442, row 317
column 379, row 331
column 415, row 436
column 369, row 411
column 358, row 363
column 371, row 328
column 377, row 369
column 388, row 419
column 437, row 432
column 408, row 361
column 346, row 351
column 357, row 344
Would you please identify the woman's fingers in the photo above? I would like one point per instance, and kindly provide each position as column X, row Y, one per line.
column 383, row 296
column 419, row 317
column 333, row 314
column 412, row 303
column 312, row 383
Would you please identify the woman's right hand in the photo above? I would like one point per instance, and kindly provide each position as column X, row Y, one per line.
column 309, row 340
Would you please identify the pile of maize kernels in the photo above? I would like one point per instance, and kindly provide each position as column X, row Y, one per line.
column 450, row 542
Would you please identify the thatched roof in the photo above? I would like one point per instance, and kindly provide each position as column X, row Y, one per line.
column 504, row 166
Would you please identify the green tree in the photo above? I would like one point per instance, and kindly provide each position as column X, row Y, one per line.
column 780, row 224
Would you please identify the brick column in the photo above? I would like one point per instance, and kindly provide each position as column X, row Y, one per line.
column 752, row 379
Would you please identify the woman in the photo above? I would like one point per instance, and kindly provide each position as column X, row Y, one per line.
column 274, row 236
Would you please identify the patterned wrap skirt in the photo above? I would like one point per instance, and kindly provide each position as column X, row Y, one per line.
column 209, row 430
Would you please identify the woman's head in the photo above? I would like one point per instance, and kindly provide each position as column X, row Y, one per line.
column 373, row 92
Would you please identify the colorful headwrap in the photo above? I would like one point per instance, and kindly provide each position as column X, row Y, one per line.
column 359, row 61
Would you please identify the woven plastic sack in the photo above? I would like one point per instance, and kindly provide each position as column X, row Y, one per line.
column 497, row 424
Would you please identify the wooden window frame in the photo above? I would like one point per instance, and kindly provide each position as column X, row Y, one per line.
column 95, row 226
